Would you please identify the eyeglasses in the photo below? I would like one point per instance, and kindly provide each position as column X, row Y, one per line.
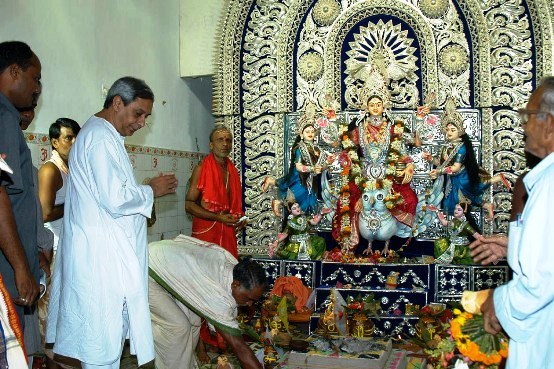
column 525, row 114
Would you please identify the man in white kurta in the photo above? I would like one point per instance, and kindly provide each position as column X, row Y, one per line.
column 99, row 288
column 190, row 279
column 525, row 306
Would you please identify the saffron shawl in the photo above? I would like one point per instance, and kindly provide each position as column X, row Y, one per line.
column 213, row 193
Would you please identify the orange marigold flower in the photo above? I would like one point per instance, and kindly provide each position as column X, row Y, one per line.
column 456, row 329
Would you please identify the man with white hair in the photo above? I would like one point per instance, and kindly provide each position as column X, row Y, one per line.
column 524, row 307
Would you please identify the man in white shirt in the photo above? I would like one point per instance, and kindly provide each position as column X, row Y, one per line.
column 100, row 287
column 524, row 307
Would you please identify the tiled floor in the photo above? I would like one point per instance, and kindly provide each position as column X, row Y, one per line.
column 128, row 361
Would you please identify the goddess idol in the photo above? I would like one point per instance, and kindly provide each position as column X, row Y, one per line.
column 302, row 181
column 464, row 177
column 375, row 157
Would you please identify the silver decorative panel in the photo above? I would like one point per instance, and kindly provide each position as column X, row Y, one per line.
column 274, row 56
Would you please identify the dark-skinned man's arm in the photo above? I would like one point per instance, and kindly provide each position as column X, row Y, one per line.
column 245, row 355
column 12, row 248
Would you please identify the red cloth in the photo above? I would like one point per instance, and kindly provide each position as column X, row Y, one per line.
column 211, row 185
column 295, row 287
column 214, row 339
column 405, row 211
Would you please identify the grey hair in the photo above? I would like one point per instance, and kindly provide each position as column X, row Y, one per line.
column 547, row 98
column 219, row 127
column 129, row 89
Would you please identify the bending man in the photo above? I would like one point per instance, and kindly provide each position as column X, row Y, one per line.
column 191, row 279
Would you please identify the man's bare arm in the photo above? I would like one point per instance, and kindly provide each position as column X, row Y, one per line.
column 245, row 355
column 12, row 248
column 49, row 182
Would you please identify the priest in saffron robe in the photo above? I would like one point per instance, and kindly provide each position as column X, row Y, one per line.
column 214, row 197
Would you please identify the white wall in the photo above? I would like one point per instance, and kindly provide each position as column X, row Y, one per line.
column 199, row 24
column 86, row 44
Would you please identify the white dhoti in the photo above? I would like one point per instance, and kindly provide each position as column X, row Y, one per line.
column 190, row 279
column 175, row 327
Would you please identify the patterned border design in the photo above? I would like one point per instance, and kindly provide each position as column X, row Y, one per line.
column 226, row 95
column 43, row 139
column 354, row 15
column 36, row 138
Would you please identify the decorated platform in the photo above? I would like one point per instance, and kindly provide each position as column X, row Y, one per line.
column 412, row 286
column 342, row 352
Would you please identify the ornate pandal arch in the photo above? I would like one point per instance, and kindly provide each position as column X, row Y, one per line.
column 357, row 13
column 285, row 56
column 480, row 42
column 254, row 115
column 226, row 97
column 543, row 15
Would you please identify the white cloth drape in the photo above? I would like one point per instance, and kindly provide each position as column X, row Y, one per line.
column 201, row 273
column 190, row 279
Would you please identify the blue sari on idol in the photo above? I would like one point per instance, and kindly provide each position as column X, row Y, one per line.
column 459, row 183
column 305, row 195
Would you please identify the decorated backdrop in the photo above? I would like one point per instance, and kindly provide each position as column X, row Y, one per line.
column 273, row 57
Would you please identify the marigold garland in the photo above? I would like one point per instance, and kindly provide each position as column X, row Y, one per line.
column 461, row 339
column 473, row 342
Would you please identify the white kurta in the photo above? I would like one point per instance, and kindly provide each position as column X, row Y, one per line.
column 525, row 306
column 102, row 254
